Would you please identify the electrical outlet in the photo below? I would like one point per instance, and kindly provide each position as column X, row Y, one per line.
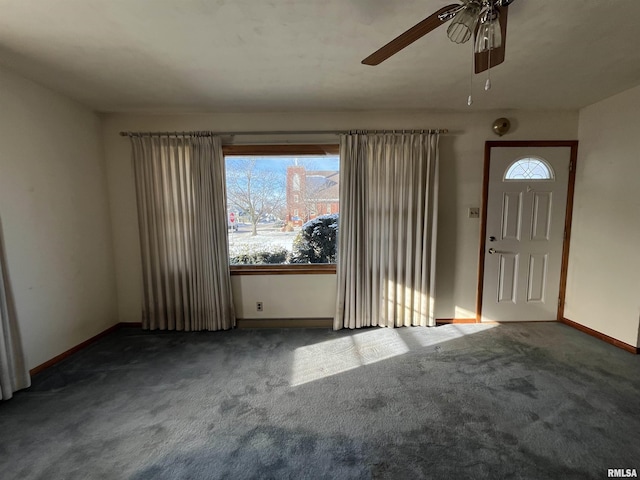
column 259, row 306
column 474, row 212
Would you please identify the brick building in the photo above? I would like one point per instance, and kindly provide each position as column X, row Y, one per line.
column 311, row 193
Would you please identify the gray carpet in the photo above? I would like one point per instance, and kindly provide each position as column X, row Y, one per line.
column 527, row 401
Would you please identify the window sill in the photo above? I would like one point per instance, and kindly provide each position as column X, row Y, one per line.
column 301, row 269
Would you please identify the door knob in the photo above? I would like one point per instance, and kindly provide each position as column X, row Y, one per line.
column 492, row 251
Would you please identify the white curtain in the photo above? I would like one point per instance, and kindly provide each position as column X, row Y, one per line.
column 387, row 235
column 180, row 188
column 13, row 370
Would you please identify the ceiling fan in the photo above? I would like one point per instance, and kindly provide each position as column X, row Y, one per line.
column 485, row 20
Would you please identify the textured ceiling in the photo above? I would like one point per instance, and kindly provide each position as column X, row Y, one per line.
column 284, row 55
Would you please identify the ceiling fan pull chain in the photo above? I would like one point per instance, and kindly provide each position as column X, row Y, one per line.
column 473, row 55
column 487, row 85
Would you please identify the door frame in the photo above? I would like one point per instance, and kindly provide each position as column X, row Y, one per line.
column 573, row 144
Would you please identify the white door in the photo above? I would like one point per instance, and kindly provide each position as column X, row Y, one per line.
column 526, row 207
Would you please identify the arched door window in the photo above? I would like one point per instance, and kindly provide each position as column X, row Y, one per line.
column 529, row 168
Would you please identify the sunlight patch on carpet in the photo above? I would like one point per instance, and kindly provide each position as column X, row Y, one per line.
column 321, row 360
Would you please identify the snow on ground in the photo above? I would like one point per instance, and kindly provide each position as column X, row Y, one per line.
column 269, row 238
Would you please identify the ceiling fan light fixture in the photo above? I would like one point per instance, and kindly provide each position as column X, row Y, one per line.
column 489, row 34
column 464, row 23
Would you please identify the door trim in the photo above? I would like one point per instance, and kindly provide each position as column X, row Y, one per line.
column 573, row 144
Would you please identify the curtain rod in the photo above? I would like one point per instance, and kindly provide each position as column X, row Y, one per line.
column 277, row 132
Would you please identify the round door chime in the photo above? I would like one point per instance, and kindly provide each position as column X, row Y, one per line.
column 501, row 126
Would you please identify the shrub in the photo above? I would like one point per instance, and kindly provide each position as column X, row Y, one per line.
column 277, row 255
column 316, row 242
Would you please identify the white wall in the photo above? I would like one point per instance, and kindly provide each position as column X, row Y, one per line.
column 309, row 296
column 461, row 185
column 603, row 284
column 55, row 217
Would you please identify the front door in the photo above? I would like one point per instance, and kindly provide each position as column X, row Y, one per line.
column 526, row 203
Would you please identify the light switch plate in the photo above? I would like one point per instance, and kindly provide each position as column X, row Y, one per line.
column 474, row 212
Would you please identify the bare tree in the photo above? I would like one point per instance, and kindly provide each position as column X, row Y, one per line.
column 256, row 192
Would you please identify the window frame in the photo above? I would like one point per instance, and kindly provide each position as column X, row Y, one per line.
column 282, row 150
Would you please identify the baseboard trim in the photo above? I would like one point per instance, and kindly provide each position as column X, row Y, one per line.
column 312, row 323
column 515, row 322
column 601, row 336
column 77, row 348
column 284, row 323
column 317, row 322
column 72, row 350
column 448, row 321
column 129, row 325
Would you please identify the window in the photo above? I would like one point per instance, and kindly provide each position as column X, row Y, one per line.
column 529, row 168
column 277, row 193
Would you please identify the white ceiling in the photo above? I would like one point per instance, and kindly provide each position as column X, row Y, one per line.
column 281, row 55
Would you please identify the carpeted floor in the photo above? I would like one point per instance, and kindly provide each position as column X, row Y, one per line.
column 530, row 401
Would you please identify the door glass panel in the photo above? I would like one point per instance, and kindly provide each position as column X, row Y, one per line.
column 529, row 168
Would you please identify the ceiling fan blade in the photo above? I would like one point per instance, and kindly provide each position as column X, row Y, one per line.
column 407, row 38
column 481, row 60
